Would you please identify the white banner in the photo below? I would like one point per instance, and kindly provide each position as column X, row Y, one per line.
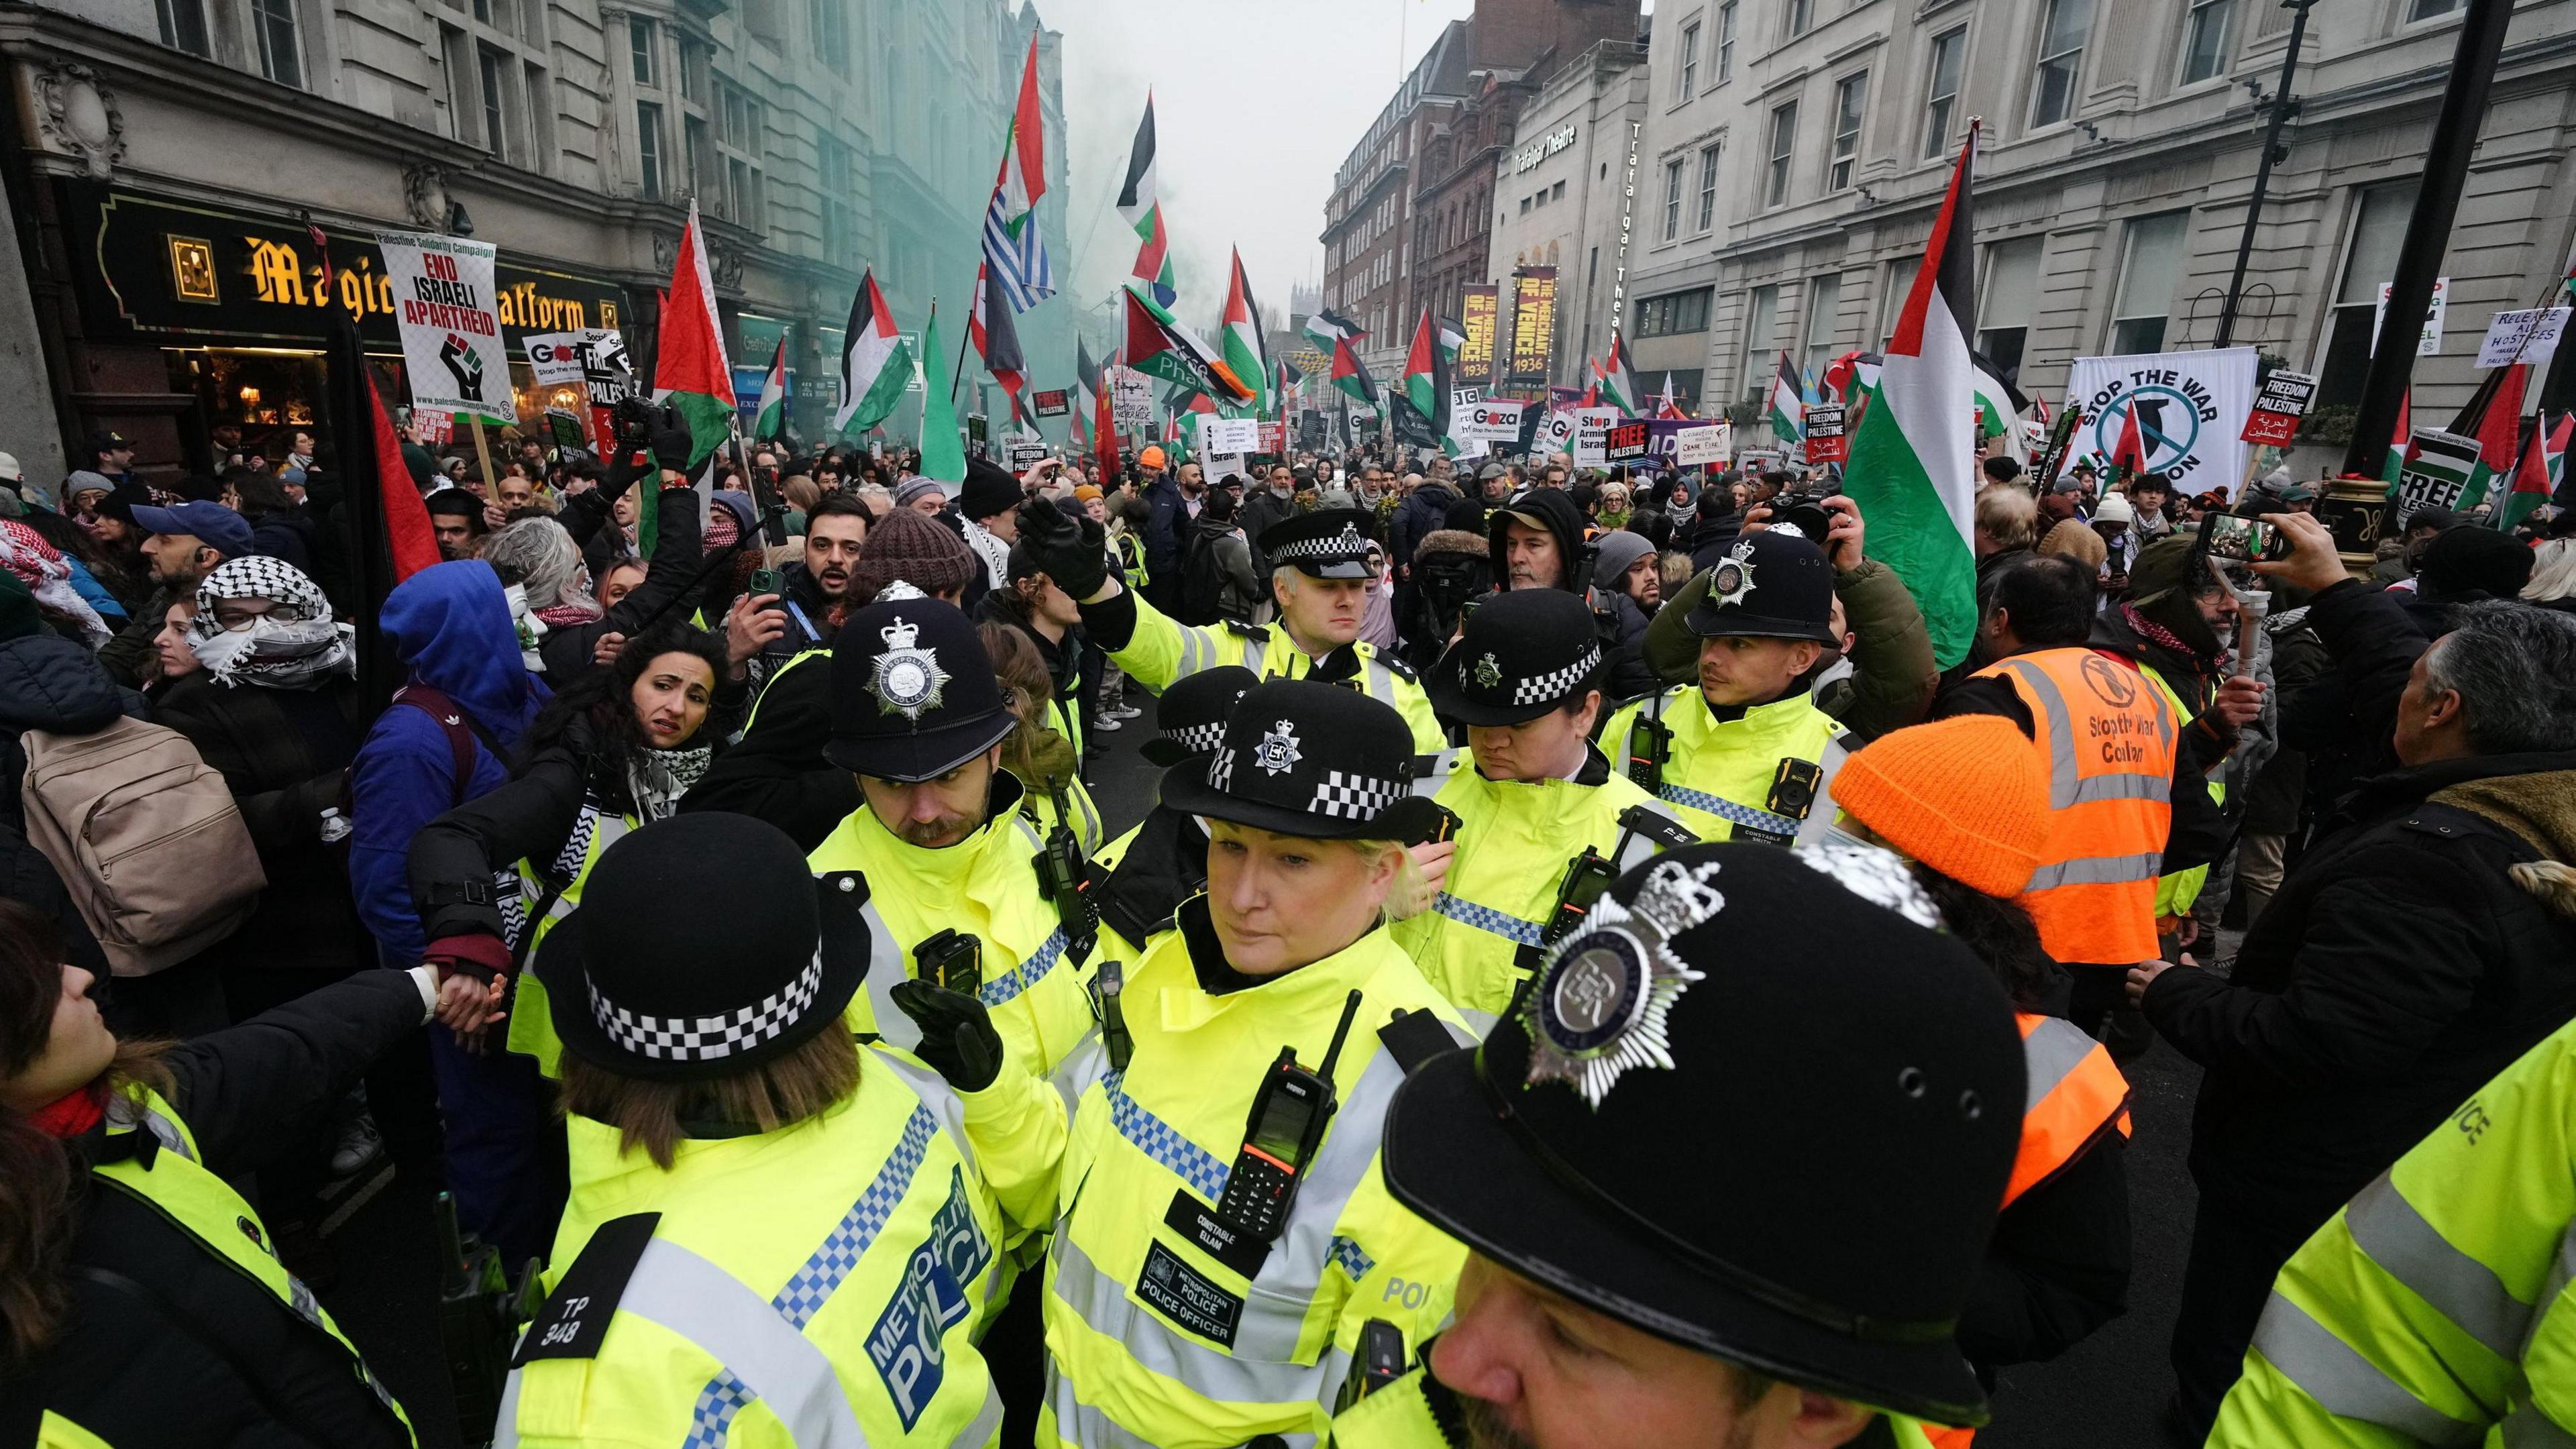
column 1556, row 435
column 1590, row 424
column 1131, row 399
column 2190, row 407
column 2430, row 342
column 451, row 334
column 1215, row 466
column 556, row 358
column 1230, row 435
column 1493, row 421
column 2530, row 335
column 1693, row 447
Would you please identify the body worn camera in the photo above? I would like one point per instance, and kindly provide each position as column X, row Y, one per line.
column 952, row 961
column 1107, row 984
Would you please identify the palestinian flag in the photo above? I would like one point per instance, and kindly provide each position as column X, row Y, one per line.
column 1086, row 393
column 1326, row 327
column 1142, row 209
column 1452, row 336
column 770, row 422
column 943, row 452
column 690, row 372
column 1420, row 386
column 1912, row 467
column 1244, row 352
column 1788, row 411
column 876, row 366
column 1350, row 374
column 2535, row 479
column 1159, row 346
column 1618, row 380
column 2498, row 429
column 2399, row 441
column 1287, row 387
column 1665, row 407
column 2129, row 454
column 996, row 337
column 1999, row 403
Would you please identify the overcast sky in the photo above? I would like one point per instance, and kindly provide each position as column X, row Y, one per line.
column 1256, row 102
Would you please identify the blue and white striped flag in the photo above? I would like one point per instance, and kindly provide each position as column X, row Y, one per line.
column 1016, row 254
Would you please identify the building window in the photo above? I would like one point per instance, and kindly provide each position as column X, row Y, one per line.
column 1525, row 206
column 1541, row 198
column 1849, row 96
column 2150, row 270
column 1726, row 42
column 2428, row 9
column 648, row 147
column 1891, row 297
column 2007, row 301
column 1802, row 13
column 692, row 58
column 639, row 50
column 541, row 117
column 280, row 58
column 1941, row 105
column 1707, row 188
column 1672, row 198
column 840, row 175
column 1824, row 308
column 740, row 142
column 489, row 67
column 1784, row 143
column 183, row 26
column 2369, row 262
column 2061, row 59
column 1686, row 78
column 2204, row 39
column 1557, row 192
column 1761, row 313
column 831, row 26
column 1673, row 313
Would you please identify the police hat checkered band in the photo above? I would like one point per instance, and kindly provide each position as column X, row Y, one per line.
column 1221, row 770
column 708, row 1038
column 1198, row 739
column 1556, row 683
column 1346, row 544
column 1344, row 796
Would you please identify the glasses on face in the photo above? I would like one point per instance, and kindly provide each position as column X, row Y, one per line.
column 235, row 615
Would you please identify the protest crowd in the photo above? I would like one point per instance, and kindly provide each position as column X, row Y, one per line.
column 1615, row 951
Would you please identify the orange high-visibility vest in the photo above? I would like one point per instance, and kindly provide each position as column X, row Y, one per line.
column 2108, row 736
column 2076, row 1096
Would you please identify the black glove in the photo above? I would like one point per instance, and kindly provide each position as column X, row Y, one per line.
column 957, row 1035
column 1076, row 558
column 672, row 441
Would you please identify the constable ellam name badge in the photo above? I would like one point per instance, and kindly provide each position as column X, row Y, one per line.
column 908, row 677
column 1604, row 994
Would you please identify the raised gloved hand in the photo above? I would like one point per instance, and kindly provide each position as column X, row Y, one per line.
column 1075, row 557
column 957, row 1035
column 671, row 439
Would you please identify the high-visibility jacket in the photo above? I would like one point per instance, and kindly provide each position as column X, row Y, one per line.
column 985, row 886
column 1419, row 1412
column 2108, row 736
column 1161, row 1328
column 2178, row 891
column 546, row 896
column 165, row 1172
column 820, row 1285
column 2077, row 1095
column 1162, row 650
column 53, row 1431
column 2435, row 1307
column 1719, row 773
column 1131, row 559
column 1515, row 840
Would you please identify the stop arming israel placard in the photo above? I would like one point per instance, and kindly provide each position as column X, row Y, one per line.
column 444, row 307
column 2190, row 406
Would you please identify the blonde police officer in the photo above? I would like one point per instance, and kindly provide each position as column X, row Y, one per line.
column 1320, row 574
column 1222, row 1234
column 1744, row 753
column 777, row 1237
column 1545, row 821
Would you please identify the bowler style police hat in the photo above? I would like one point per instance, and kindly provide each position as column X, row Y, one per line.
column 1520, row 655
column 1329, row 543
column 913, row 694
column 1308, row 759
column 1189, row 717
column 1768, row 585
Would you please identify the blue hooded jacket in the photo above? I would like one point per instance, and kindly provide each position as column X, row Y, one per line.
column 450, row 626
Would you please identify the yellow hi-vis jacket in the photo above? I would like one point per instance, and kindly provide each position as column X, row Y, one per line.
column 2179, row 891
column 1162, row 1328
column 1516, row 839
column 1162, row 650
column 985, row 886
column 1720, row 772
column 820, row 1285
column 1417, row 1411
column 532, row 917
column 2434, row 1309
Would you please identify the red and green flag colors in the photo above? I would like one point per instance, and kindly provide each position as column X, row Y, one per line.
column 2536, row 478
column 690, row 372
column 2399, row 441
column 1421, row 384
column 996, row 336
column 1788, row 410
column 1350, row 374
column 876, row 366
column 1142, row 209
column 771, row 420
column 943, row 452
column 1159, row 346
column 1618, row 379
column 2129, row 454
column 1912, row 468
column 1014, row 251
column 2498, row 430
column 1245, row 353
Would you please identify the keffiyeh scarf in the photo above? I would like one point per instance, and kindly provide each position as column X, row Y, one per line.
column 47, row 575
column 292, row 646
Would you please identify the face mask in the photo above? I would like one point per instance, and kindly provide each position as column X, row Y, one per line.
column 531, row 629
column 277, row 651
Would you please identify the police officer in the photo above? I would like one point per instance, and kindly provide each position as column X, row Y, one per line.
column 776, row 1236
column 1545, row 822
column 952, row 869
column 1320, row 572
column 1139, row 880
column 1746, row 754
column 1658, row 1253
column 1222, row 1234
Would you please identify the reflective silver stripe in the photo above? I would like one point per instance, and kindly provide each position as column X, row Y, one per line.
column 2123, row 787
column 1436, row 774
column 505, row 1430
column 887, row 969
column 2054, row 1048
column 1253, row 649
column 126, row 1111
column 2061, row 731
column 738, row 1328
column 2344, row 1383
column 2527, row 1427
column 2388, row 1228
column 1102, row 1304
column 942, row 1100
column 988, row 1419
column 2097, row 870
column 1081, row 1068
column 1381, row 685
column 1820, row 815
column 1479, row 1022
column 2560, row 1274
column 1079, row 1423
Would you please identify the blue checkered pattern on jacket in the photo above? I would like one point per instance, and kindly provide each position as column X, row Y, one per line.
column 1158, row 1140
column 1729, row 810
column 1025, row 975
column 1486, row 918
column 1353, row 1258
column 712, row 1419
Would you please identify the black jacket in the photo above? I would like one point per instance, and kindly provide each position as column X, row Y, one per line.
column 2398, row 969
column 2057, row 1267
column 776, row 771
column 671, row 582
column 1421, row 514
column 2202, row 829
column 287, row 535
column 202, row 1357
column 1262, row 509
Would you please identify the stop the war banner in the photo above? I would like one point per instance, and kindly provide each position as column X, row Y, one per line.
column 446, row 309
column 2190, row 407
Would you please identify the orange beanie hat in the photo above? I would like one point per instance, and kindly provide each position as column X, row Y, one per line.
column 1966, row 796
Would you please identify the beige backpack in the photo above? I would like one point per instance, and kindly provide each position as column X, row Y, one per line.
column 146, row 837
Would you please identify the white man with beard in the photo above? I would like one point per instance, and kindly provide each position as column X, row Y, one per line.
column 1536, row 541
column 1319, row 571
column 1545, row 820
column 1656, row 1253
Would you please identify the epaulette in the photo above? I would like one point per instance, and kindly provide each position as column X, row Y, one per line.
column 574, row 1320
column 1243, row 630
column 1396, row 667
column 1658, row 827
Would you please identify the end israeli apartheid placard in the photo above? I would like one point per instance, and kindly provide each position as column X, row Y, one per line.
column 2190, row 408
column 444, row 306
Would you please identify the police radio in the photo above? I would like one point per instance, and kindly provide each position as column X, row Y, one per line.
column 478, row 1317
column 1062, row 876
column 1279, row 1139
column 1650, row 748
column 1106, row 985
column 1587, row 877
column 950, row 960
